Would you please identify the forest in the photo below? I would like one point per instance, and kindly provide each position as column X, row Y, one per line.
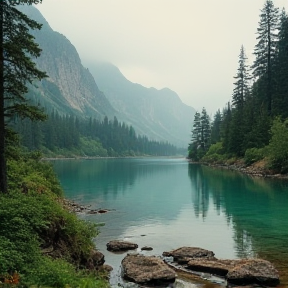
column 67, row 135
column 254, row 124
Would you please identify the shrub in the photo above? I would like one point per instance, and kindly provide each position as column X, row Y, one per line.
column 31, row 218
column 253, row 155
column 278, row 148
column 215, row 154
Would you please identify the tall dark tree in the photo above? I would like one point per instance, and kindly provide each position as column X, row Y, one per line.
column 265, row 50
column 280, row 101
column 201, row 134
column 205, row 130
column 196, row 131
column 241, row 85
column 216, row 127
column 240, row 94
column 226, row 127
column 16, row 70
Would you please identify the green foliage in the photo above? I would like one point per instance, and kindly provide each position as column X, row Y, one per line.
column 253, row 155
column 245, row 126
column 215, row 154
column 52, row 273
column 70, row 136
column 32, row 217
column 29, row 174
column 92, row 147
column 278, row 148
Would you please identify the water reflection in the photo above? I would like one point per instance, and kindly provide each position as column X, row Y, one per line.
column 106, row 176
column 257, row 208
column 183, row 204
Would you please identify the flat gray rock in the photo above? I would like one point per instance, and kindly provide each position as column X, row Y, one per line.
column 147, row 269
column 117, row 245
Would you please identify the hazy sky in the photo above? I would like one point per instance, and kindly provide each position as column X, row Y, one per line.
column 189, row 46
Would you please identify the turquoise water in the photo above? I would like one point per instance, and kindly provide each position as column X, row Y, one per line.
column 169, row 203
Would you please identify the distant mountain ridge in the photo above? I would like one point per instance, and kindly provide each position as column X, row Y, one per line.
column 68, row 78
column 159, row 111
column 71, row 89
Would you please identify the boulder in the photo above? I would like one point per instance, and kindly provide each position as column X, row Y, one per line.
column 184, row 254
column 147, row 248
column 238, row 272
column 147, row 269
column 94, row 261
column 256, row 271
column 218, row 267
column 117, row 245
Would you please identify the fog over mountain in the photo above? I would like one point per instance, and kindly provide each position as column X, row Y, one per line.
column 102, row 90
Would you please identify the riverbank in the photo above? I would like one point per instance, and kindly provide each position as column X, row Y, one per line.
column 42, row 242
column 257, row 169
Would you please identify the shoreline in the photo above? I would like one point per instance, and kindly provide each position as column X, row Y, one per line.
column 257, row 169
column 108, row 157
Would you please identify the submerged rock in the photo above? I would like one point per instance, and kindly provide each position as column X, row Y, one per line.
column 185, row 254
column 147, row 269
column 117, row 245
column 147, row 248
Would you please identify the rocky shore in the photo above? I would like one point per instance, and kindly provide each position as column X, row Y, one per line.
column 257, row 169
column 162, row 271
column 76, row 208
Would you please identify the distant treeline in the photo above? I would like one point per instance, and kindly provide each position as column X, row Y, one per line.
column 88, row 137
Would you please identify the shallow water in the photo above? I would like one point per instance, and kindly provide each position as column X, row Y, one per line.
column 168, row 203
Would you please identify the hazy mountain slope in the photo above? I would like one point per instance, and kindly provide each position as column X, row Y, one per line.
column 157, row 113
column 70, row 86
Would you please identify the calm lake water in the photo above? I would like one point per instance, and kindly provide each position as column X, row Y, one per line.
column 168, row 203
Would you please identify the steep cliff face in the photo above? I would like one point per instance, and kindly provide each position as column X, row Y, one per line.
column 157, row 113
column 71, row 88
column 62, row 63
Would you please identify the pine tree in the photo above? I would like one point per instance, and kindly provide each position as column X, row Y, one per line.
column 226, row 127
column 205, row 130
column 265, row 50
column 280, row 101
column 240, row 94
column 196, row 131
column 242, row 87
column 216, row 128
column 16, row 70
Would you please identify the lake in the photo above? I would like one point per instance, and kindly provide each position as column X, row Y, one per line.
column 167, row 203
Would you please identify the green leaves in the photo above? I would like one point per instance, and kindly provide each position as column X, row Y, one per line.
column 278, row 148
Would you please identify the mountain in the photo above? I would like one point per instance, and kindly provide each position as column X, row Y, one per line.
column 70, row 87
column 160, row 114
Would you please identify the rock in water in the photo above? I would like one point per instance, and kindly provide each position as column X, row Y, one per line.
column 185, row 254
column 256, row 271
column 147, row 269
column 117, row 245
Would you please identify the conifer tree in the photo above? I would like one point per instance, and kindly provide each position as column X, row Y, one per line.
column 241, row 92
column 205, row 130
column 280, row 101
column 241, row 89
column 16, row 70
column 216, row 127
column 265, row 50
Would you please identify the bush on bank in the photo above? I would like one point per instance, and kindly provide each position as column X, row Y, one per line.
column 33, row 222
